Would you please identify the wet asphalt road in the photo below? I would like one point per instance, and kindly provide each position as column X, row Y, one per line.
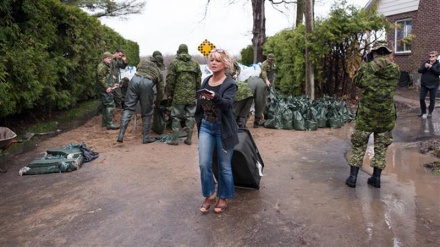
column 303, row 200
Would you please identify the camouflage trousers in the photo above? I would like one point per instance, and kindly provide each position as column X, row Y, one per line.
column 182, row 113
column 359, row 143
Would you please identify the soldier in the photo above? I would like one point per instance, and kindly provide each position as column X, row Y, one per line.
column 140, row 89
column 119, row 61
column 158, row 59
column 268, row 70
column 183, row 81
column 243, row 98
column 106, row 85
column 243, row 103
column 260, row 92
column 376, row 112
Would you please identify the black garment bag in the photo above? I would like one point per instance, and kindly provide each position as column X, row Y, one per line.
column 247, row 164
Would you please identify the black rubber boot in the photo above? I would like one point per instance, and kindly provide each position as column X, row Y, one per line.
column 374, row 180
column 351, row 180
column 189, row 131
column 175, row 126
column 125, row 119
column 188, row 140
column 146, row 132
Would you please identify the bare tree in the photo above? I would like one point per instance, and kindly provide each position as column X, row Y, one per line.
column 109, row 8
column 259, row 22
column 259, row 29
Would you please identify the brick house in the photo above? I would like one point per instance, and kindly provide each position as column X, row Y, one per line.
column 417, row 20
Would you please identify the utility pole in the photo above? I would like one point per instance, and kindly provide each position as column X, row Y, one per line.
column 310, row 84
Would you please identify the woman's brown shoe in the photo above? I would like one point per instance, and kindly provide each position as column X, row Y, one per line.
column 207, row 203
column 221, row 206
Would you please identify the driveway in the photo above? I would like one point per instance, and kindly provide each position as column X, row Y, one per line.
column 149, row 195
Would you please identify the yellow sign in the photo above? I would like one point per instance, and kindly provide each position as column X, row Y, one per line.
column 205, row 47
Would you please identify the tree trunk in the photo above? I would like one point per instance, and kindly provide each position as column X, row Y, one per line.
column 259, row 29
column 300, row 6
column 310, row 84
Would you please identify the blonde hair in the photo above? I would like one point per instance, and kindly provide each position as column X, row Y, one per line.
column 223, row 56
column 434, row 53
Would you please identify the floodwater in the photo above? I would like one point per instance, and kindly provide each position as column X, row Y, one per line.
column 413, row 207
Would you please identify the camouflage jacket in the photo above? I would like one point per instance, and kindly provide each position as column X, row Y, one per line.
column 117, row 64
column 104, row 76
column 183, row 80
column 149, row 69
column 268, row 71
column 377, row 81
column 244, row 91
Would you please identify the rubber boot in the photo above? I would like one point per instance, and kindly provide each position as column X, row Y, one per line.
column 189, row 131
column 112, row 126
column 351, row 180
column 188, row 140
column 175, row 126
column 256, row 122
column 108, row 119
column 374, row 180
column 125, row 119
column 146, row 132
column 241, row 122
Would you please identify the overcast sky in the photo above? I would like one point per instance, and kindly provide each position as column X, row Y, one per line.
column 165, row 24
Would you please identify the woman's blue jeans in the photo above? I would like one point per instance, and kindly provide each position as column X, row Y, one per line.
column 210, row 140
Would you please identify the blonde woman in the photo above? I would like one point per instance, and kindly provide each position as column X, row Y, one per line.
column 217, row 131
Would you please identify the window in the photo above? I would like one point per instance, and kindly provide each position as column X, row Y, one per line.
column 403, row 36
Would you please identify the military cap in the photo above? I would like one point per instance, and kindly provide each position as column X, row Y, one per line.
column 381, row 44
column 157, row 53
column 106, row 55
column 182, row 49
column 270, row 55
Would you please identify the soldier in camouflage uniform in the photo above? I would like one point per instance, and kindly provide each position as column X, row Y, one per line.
column 243, row 98
column 183, row 81
column 140, row 89
column 119, row 61
column 260, row 91
column 106, row 84
column 376, row 114
column 243, row 103
column 158, row 59
column 268, row 70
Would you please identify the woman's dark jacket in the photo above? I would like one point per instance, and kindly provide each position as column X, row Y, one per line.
column 224, row 100
column 430, row 77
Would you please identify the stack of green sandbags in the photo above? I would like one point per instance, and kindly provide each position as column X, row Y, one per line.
column 302, row 113
column 63, row 159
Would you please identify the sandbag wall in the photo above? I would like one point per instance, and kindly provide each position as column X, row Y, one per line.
column 302, row 113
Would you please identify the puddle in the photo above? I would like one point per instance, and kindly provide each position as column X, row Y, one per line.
column 409, row 201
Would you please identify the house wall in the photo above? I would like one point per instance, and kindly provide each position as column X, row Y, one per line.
column 425, row 27
column 394, row 7
column 404, row 60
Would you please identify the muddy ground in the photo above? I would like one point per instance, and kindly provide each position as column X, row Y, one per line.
column 149, row 195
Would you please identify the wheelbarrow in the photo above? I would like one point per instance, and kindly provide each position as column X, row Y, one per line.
column 7, row 138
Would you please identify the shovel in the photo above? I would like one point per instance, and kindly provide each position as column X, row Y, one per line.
column 29, row 135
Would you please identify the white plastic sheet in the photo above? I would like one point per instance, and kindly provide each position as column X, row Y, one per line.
column 246, row 71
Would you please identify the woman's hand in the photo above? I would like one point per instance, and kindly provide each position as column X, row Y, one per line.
column 208, row 94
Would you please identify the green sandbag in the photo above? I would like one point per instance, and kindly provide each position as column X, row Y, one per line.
column 159, row 120
column 53, row 164
column 335, row 122
column 298, row 121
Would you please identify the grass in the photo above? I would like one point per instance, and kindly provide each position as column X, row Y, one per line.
column 60, row 118
column 51, row 125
